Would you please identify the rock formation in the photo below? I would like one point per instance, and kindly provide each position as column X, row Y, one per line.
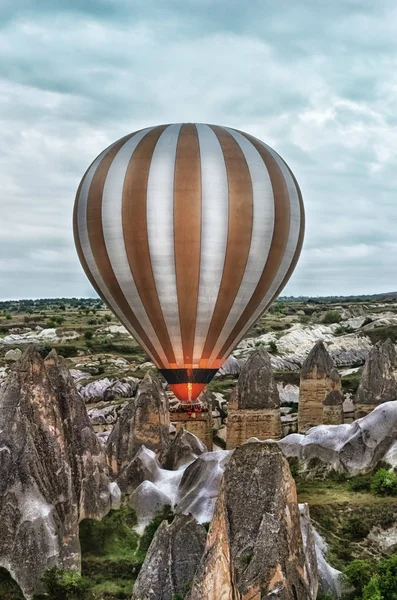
column 148, row 501
column 254, row 546
column 352, row 448
column 143, row 467
column 255, row 411
column 52, row 470
column 171, row 560
column 199, row 486
column 379, row 379
column 318, row 378
column 185, row 448
column 333, row 408
column 308, row 538
column 144, row 421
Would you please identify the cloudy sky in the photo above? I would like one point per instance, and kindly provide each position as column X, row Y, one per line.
column 317, row 80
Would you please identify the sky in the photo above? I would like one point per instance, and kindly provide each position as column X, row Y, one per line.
column 314, row 79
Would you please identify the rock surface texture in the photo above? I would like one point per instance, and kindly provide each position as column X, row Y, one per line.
column 318, row 378
column 352, row 448
column 254, row 547
column 379, row 379
column 52, row 470
column 144, row 421
column 255, row 411
column 171, row 561
column 184, row 449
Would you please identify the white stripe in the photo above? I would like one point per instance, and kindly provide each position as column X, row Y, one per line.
column 112, row 224
column 160, row 227
column 262, row 233
column 214, row 228
column 293, row 238
column 86, row 246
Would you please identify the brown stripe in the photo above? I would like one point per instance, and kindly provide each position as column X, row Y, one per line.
column 98, row 247
column 136, row 235
column 299, row 244
column 240, row 222
column 77, row 242
column 278, row 244
column 187, row 234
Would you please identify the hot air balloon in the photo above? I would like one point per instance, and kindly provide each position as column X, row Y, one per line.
column 188, row 232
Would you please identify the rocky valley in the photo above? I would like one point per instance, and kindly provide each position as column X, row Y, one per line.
column 279, row 483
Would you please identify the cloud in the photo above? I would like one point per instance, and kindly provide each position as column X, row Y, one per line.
column 315, row 80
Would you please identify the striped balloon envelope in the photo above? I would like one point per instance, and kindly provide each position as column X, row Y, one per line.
column 188, row 232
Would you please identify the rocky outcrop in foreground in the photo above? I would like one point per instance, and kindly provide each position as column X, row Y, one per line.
column 351, row 448
column 144, row 421
column 255, row 410
column 379, row 379
column 254, row 547
column 52, row 470
column 171, row 560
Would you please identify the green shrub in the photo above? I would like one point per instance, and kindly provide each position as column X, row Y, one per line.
column 384, row 483
column 88, row 334
column 273, row 347
column 65, row 585
column 360, row 483
column 372, row 591
column 355, row 528
column 358, row 573
column 9, row 589
column 332, row 316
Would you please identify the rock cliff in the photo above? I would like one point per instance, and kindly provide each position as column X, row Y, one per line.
column 379, row 379
column 144, row 421
column 53, row 472
column 254, row 547
column 171, row 560
column 318, row 378
column 255, row 409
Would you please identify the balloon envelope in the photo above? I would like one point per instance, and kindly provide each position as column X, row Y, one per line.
column 188, row 232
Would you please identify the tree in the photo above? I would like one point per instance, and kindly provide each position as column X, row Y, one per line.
column 358, row 573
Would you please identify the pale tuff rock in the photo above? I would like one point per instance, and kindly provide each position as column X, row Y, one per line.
column 254, row 547
column 148, row 501
column 107, row 389
column 13, row 355
column 257, row 387
column 143, row 467
column 185, row 448
column 144, row 421
column 333, row 408
column 352, row 448
column 308, row 538
column 379, row 379
column 53, row 472
column 199, row 486
column 255, row 409
column 318, row 378
column 171, row 560
column 230, row 367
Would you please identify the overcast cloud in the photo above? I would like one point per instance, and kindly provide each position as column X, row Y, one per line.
column 317, row 80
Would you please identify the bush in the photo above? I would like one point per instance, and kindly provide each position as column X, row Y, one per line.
column 355, row 528
column 372, row 591
column 360, row 483
column 273, row 347
column 358, row 573
column 332, row 316
column 384, row 483
column 88, row 334
column 65, row 585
